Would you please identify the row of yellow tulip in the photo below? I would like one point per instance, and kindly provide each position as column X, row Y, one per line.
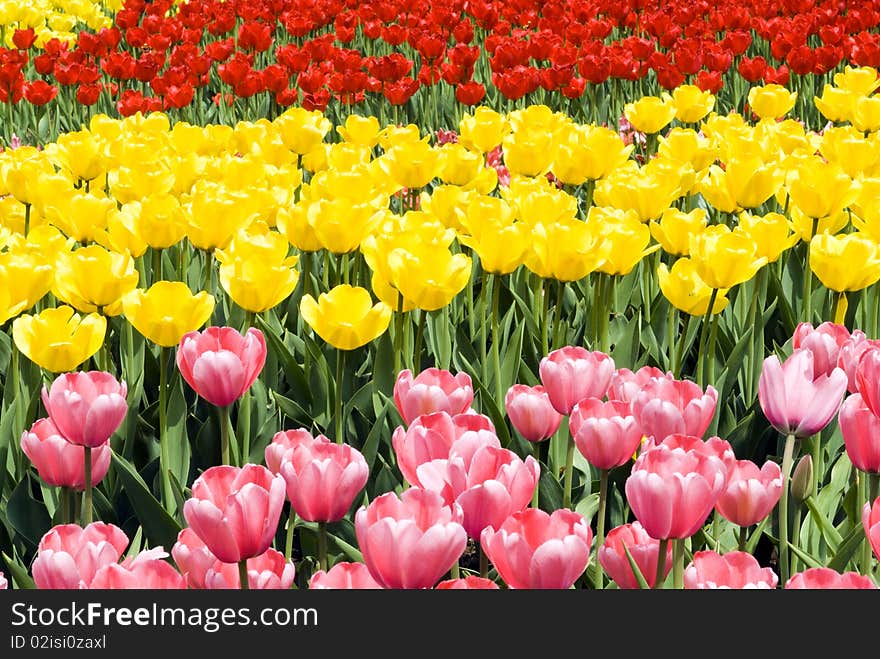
column 55, row 19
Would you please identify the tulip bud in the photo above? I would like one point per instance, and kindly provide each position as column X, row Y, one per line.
column 802, row 480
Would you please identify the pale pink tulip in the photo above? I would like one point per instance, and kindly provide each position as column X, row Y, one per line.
column 69, row 556
column 411, row 541
column 605, row 432
column 871, row 524
column 644, row 550
column 60, row 463
column 220, row 364
column 432, row 390
column 531, row 412
column 534, row 549
column 192, row 557
column 146, row 571
column 285, row 440
column 573, row 373
column 235, row 511
column 860, row 428
column 86, row 406
column 825, row 578
column 344, row 576
column 735, row 570
column 793, row 401
column 851, row 353
column 750, row 493
column 268, row 571
column 824, row 342
column 470, row 582
column 666, row 407
column 625, row 384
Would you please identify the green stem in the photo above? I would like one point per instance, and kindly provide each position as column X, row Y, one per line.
column 600, row 521
column 419, row 341
column 322, row 546
column 679, row 353
column 710, row 353
column 678, row 563
column 223, row 413
column 337, row 399
column 545, row 317
column 27, row 219
column 796, row 534
column 818, row 457
column 787, row 458
column 64, row 505
column 808, row 278
column 569, row 473
column 455, row 571
column 87, row 492
column 243, row 575
column 743, row 538
column 704, row 331
column 661, row 563
column 595, row 311
column 484, row 563
column 672, row 324
column 288, row 540
column 157, row 266
column 484, row 363
column 557, row 315
column 164, row 466
column 496, row 341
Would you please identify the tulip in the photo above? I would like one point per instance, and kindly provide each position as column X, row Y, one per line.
column 606, row 433
column 430, row 277
column 257, row 285
column 432, row 390
column 302, row 130
column 573, row 373
column 738, row 570
column 94, row 279
column 235, row 511
column 829, row 579
column 193, row 558
column 484, row 129
column 166, row 311
column 344, row 576
column 360, row 130
column 69, row 556
column 821, row 189
column 410, row 541
column 686, row 291
column 625, row 384
column 871, row 524
column 724, row 258
column 650, row 114
column 829, row 254
column 268, row 571
column 824, row 342
column 531, row 412
column 58, row 339
column 691, row 103
column 566, row 250
column 675, row 227
column 644, row 550
column 469, row 582
column 146, row 571
column 587, row 152
column 771, row 234
column 665, row 407
column 59, row 462
column 500, row 242
column 745, row 182
column 771, row 101
column 345, row 317
column 24, row 279
column 535, row 549
column 860, row 428
column 627, row 236
column 79, row 153
column 851, row 352
column 647, row 191
column 282, row 442
column 750, row 493
column 411, row 165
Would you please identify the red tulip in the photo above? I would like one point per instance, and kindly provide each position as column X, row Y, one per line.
column 59, row 462
column 573, row 373
column 69, row 556
column 871, row 524
column 86, row 407
column 470, row 582
column 24, row 38
column 606, row 433
column 750, row 493
column 432, row 390
column 470, row 93
column 737, row 570
column 860, row 428
column 665, row 407
column 344, row 576
column 827, row 579
column 531, row 412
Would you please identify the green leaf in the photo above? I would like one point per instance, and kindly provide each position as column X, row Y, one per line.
column 19, row 573
column 847, row 548
column 371, row 443
column 292, row 370
column 805, row 557
column 637, row 573
column 27, row 516
column 159, row 527
column 353, row 553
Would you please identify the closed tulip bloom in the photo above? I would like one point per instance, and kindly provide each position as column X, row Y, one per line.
column 860, row 428
column 412, row 165
column 691, row 103
column 166, row 311
column 268, row 571
column 674, row 229
column 871, row 524
column 566, row 250
column 627, row 239
column 793, row 400
column 69, row 555
column 724, row 258
column 868, row 379
column 256, row 285
column 686, row 291
column 851, row 352
column 771, row 234
column 346, row 317
column 323, row 478
column 235, row 511
column 432, row 390
column 80, row 153
column 531, row 412
column 824, row 342
column 282, row 442
column 429, row 277
column 59, row 462
column 650, row 114
column 58, row 339
column 671, row 491
column 86, row 407
column 410, row 541
column 646, row 191
column 470, row 582
column 825, row 578
column 666, row 407
column 606, row 433
column 587, row 152
column 146, row 571
column 160, row 218
column 625, row 384
column 573, row 373
column 500, row 246
column 484, row 129
column 192, row 557
column 829, row 256
column 94, row 279
column 344, row 576
column 214, row 213
column 536, row 550
column 24, row 278
column 734, row 570
column 821, row 189
column 835, row 104
column 644, row 549
column 745, row 182
column 302, row 130
column 220, row 364
column 750, row 493
column 771, row 101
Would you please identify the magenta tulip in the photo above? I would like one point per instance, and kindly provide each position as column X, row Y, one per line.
column 825, row 578
column 824, row 342
column 69, row 556
column 323, row 478
column 573, row 373
column 534, row 549
column 531, row 412
column 666, row 407
column 644, row 550
column 268, row 571
column 432, row 390
column 282, row 442
column 735, row 570
column 860, row 428
column 86, row 406
column 851, row 353
column 146, row 571
column 625, row 384
column 750, row 493
column 606, row 433
column 235, row 511
column 794, row 402
column 871, row 524
column 470, row 582
column 411, row 541
column 60, row 463
column 344, row 576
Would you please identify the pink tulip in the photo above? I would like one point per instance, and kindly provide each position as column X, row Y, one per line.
column 606, row 433
column 671, row 490
column 712, row 447
column 851, row 353
column 86, row 406
column 268, row 571
column 69, row 556
column 868, row 379
column 469, row 582
column 235, row 511
column 220, row 364
column 860, row 428
column 411, row 541
column 323, row 478
column 825, row 578
column 3, row 583
column 285, row 440
column 871, row 523
column 792, row 400
column 666, row 407
column 644, row 550
column 59, row 462
column 432, row 390
column 626, row 385
column 531, row 412
column 146, row 571
column 573, row 373
column 824, row 342
column 750, row 493
column 193, row 558
column 735, row 570
column 534, row 549
column 344, row 576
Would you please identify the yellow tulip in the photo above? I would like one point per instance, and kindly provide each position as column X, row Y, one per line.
column 360, row 130
column 392, row 136
column 650, row 114
column 685, row 290
column 22, row 171
column 802, row 224
column 79, row 153
column 566, row 250
column 448, row 203
column 685, row 145
column 771, row 101
column 483, row 130
column 648, row 190
column 848, row 262
column 848, row 148
column 537, row 200
column 528, row 153
column 626, row 236
column 256, row 285
column 862, row 80
column 214, row 213
column 339, row 225
column 140, row 180
column 411, row 165
column 302, row 130
column 58, row 339
column 771, row 234
column 429, row 276
column 25, row 278
column 821, row 189
column 691, row 103
column 160, row 219
column 80, row 216
column 293, row 222
column 123, row 233
column 93, row 279
column 166, row 311
column 674, row 229
column 459, row 165
column 587, row 153
column 746, row 183
column 835, row 104
column 500, row 242
column 724, row 258
column 866, row 113
column 346, row 317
